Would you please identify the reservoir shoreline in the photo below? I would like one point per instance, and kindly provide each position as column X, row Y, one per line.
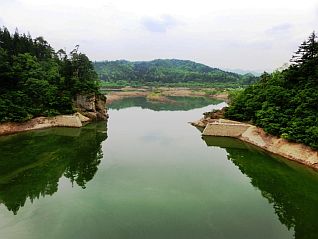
column 76, row 120
column 256, row 136
column 161, row 94
column 88, row 108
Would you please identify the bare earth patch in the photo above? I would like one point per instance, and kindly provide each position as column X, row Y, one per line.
column 114, row 96
column 161, row 94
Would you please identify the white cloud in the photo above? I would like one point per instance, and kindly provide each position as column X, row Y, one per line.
column 280, row 29
column 161, row 24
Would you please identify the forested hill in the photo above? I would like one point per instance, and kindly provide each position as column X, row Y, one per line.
column 167, row 71
column 285, row 103
column 35, row 80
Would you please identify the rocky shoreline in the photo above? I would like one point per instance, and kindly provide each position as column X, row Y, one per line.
column 74, row 121
column 89, row 108
column 256, row 136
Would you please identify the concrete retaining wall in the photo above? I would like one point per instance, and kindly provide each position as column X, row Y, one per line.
column 256, row 136
column 225, row 129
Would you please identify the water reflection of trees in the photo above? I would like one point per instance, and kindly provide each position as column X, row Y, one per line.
column 32, row 163
column 291, row 188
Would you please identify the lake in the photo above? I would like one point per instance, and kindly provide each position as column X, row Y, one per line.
column 149, row 174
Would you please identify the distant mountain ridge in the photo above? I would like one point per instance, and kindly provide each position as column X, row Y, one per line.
column 167, row 71
column 242, row 71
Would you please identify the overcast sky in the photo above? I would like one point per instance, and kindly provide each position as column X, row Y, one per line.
column 247, row 34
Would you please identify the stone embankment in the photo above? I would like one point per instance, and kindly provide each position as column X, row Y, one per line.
column 256, row 136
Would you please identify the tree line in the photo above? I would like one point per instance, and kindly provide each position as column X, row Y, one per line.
column 285, row 103
column 36, row 80
column 167, row 71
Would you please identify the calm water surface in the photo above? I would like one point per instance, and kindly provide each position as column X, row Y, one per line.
column 149, row 174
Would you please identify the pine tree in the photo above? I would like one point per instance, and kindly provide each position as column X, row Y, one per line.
column 307, row 51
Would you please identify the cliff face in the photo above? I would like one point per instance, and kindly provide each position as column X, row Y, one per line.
column 92, row 106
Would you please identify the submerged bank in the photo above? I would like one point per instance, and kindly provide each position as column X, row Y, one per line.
column 256, row 136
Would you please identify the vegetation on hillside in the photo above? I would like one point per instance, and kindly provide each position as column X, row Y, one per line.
column 37, row 81
column 284, row 103
column 175, row 72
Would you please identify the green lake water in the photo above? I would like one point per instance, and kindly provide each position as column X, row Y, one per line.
column 149, row 174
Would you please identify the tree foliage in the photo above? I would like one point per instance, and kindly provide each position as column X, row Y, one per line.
column 167, row 71
column 285, row 103
column 37, row 81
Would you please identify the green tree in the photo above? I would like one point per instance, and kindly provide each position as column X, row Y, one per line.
column 36, row 81
column 285, row 103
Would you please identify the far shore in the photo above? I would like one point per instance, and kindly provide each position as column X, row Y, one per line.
column 161, row 94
